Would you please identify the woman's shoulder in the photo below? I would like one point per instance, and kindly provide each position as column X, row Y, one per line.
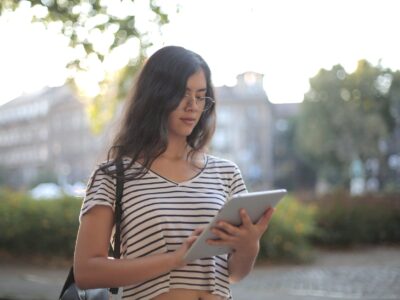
column 216, row 161
column 109, row 166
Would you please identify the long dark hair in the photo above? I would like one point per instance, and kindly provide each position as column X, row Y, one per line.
column 159, row 89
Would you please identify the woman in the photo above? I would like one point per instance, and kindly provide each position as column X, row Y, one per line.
column 172, row 189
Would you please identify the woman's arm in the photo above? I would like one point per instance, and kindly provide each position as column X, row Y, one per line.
column 92, row 266
column 244, row 240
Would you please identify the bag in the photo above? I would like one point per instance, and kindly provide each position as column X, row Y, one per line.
column 73, row 293
column 70, row 291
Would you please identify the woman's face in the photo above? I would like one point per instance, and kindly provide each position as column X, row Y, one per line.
column 185, row 117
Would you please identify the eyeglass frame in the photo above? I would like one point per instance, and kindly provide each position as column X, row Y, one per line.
column 199, row 98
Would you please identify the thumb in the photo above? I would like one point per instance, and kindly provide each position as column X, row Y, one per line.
column 192, row 238
column 198, row 230
column 189, row 241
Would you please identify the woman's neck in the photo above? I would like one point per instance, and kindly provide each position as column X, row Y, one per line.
column 176, row 150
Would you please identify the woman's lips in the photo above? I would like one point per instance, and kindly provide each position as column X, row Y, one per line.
column 188, row 121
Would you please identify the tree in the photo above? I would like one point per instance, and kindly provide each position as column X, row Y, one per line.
column 346, row 117
column 97, row 30
column 290, row 171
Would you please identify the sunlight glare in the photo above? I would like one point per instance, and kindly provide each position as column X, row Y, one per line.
column 288, row 41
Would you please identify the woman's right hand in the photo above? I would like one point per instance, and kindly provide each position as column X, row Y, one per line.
column 93, row 268
column 179, row 253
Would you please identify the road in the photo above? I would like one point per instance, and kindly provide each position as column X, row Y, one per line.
column 372, row 274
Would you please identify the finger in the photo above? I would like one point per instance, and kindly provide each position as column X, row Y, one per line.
column 198, row 231
column 265, row 219
column 228, row 228
column 219, row 242
column 246, row 221
column 189, row 241
column 221, row 234
column 193, row 237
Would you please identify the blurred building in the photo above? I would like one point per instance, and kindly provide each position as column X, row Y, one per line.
column 245, row 129
column 46, row 137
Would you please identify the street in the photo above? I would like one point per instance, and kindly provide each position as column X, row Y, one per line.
column 372, row 273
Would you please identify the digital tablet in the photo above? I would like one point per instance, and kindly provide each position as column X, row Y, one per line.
column 255, row 204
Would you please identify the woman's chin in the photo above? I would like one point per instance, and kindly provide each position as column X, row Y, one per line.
column 182, row 133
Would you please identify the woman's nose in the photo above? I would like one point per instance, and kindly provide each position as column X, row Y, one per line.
column 191, row 102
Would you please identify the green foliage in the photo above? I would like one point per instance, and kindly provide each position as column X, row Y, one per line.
column 289, row 234
column 349, row 116
column 89, row 17
column 99, row 109
column 347, row 221
column 42, row 227
column 49, row 227
column 87, row 22
column 290, row 169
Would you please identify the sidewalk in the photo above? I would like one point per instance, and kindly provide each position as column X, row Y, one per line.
column 372, row 274
column 364, row 274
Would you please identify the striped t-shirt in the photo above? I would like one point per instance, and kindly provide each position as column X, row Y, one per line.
column 159, row 214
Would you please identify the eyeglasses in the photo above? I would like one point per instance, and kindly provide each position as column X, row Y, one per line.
column 203, row 102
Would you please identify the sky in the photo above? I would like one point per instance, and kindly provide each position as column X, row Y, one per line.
column 287, row 41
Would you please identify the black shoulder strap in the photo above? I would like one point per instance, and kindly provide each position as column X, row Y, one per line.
column 118, row 208
column 119, row 190
column 117, row 216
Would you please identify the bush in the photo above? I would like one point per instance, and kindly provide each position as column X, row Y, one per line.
column 290, row 232
column 49, row 227
column 363, row 220
column 41, row 227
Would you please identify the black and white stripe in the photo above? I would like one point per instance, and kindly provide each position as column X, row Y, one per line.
column 158, row 215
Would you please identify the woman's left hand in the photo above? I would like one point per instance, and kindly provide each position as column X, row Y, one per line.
column 245, row 238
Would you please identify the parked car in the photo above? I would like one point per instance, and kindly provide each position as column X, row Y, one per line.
column 46, row 190
column 50, row 190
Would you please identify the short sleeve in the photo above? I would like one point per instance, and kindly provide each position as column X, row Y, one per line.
column 100, row 191
column 237, row 184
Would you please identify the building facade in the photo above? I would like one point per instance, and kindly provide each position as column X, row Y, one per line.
column 47, row 135
column 245, row 129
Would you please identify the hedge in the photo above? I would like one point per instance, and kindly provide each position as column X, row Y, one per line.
column 345, row 220
column 290, row 232
column 49, row 227
column 45, row 227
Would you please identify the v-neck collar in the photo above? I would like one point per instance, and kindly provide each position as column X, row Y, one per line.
column 187, row 181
